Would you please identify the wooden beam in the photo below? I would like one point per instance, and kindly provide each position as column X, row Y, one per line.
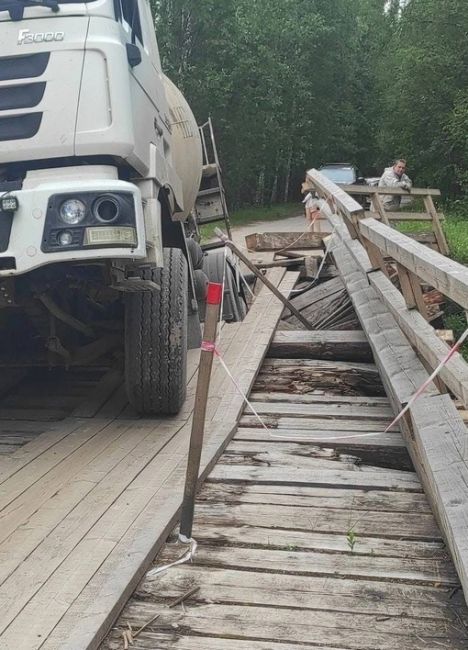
column 449, row 277
column 418, row 331
column 368, row 189
column 378, row 206
column 411, row 290
column 327, row 188
column 423, row 337
column 437, row 228
column 322, row 344
column 403, row 216
column 435, row 433
column 273, row 241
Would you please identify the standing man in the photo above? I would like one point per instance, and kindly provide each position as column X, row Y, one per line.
column 394, row 177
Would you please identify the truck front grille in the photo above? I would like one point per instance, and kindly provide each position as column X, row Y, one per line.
column 19, row 127
column 20, row 96
column 23, row 66
column 23, row 96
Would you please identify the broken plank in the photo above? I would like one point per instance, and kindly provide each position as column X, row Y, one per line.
column 323, row 344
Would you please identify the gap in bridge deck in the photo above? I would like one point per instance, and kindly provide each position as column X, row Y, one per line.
column 306, row 541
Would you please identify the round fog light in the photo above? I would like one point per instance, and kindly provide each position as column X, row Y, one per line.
column 72, row 211
column 65, row 238
column 106, row 209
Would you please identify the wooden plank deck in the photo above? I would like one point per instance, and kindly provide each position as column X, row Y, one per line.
column 313, row 533
column 305, row 541
column 86, row 505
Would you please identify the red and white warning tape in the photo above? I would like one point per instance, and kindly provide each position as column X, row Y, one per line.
column 421, row 390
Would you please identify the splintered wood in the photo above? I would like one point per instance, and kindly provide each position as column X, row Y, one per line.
column 325, row 306
column 313, row 534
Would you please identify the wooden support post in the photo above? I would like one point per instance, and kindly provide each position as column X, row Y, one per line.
column 436, row 227
column 379, row 208
column 213, row 303
column 411, row 290
column 375, row 255
column 290, row 307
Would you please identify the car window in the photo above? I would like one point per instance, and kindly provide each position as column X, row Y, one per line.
column 339, row 174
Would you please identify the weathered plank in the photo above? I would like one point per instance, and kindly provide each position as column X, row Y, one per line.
column 273, row 241
column 149, row 640
column 317, row 293
column 315, row 425
column 423, row 337
column 325, row 411
column 403, row 375
column 385, row 480
column 369, row 189
column 350, row 440
column 390, row 525
column 337, row 345
column 313, row 497
column 307, row 592
column 446, row 275
column 319, row 397
column 307, row 375
column 316, row 627
column 104, row 570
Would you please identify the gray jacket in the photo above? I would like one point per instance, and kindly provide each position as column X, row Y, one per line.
column 390, row 179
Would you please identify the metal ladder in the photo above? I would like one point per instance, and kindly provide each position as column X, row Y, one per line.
column 211, row 205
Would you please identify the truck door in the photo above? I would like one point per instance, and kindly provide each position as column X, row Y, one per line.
column 147, row 89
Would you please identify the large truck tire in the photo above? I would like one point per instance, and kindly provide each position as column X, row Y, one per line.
column 196, row 253
column 234, row 307
column 156, row 339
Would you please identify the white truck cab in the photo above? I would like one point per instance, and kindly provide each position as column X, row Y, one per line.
column 100, row 165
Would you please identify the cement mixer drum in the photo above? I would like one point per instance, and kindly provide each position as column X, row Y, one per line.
column 187, row 156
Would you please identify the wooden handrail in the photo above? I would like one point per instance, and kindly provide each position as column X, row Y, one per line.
column 449, row 277
column 397, row 191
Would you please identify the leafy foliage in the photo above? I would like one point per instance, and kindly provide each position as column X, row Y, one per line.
column 293, row 84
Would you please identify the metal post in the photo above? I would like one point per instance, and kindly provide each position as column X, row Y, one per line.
column 262, row 278
column 213, row 302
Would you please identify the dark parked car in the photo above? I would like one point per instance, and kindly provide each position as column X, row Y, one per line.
column 346, row 174
column 342, row 174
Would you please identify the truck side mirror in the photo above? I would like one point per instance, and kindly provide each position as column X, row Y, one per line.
column 133, row 55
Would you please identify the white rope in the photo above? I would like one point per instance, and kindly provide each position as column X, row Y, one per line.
column 187, row 557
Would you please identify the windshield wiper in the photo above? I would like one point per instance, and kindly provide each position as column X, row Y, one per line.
column 16, row 7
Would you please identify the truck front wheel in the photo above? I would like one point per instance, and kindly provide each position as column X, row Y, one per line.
column 156, row 338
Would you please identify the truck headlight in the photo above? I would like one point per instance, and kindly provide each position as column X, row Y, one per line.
column 72, row 212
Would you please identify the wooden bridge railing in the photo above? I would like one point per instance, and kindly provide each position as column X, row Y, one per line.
column 415, row 263
column 435, row 433
column 378, row 211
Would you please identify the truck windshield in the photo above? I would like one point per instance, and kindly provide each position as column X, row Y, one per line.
column 16, row 7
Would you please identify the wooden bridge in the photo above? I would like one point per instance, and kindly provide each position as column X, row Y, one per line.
column 315, row 528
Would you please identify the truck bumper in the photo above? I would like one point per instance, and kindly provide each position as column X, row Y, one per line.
column 29, row 236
